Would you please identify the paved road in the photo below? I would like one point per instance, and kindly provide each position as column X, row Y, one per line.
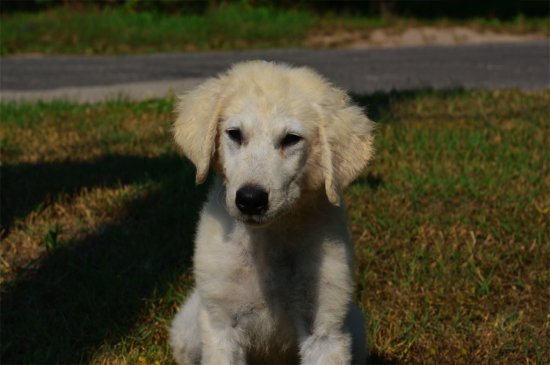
column 489, row 66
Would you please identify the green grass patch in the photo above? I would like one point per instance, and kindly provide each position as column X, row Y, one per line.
column 119, row 30
column 450, row 222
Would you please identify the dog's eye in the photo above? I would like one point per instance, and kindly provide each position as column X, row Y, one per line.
column 290, row 140
column 235, row 135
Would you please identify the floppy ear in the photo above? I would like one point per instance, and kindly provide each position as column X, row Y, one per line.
column 346, row 143
column 196, row 124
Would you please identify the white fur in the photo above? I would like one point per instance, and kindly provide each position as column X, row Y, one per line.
column 274, row 287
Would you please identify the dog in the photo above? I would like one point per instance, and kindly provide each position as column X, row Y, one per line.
column 273, row 255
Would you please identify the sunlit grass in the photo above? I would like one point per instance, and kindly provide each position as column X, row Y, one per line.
column 450, row 222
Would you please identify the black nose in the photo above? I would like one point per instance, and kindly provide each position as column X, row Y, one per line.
column 251, row 199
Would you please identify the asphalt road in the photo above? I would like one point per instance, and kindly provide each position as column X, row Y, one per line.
column 489, row 66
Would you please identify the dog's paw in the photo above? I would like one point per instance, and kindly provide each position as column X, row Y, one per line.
column 326, row 350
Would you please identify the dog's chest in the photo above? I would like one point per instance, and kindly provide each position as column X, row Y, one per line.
column 272, row 280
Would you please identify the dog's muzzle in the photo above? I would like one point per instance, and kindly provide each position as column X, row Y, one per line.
column 252, row 200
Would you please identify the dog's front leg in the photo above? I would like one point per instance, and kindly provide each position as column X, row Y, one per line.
column 327, row 345
column 327, row 341
column 220, row 342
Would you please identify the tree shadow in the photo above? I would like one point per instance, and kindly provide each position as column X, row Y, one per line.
column 379, row 106
column 26, row 186
column 91, row 291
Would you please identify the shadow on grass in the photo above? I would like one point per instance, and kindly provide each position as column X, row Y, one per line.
column 373, row 181
column 375, row 359
column 26, row 186
column 380, row 105
column 91, row 291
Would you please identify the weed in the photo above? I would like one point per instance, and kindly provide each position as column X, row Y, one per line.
column 51, row 239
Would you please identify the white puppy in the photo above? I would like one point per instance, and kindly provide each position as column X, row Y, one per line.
column 273, row 256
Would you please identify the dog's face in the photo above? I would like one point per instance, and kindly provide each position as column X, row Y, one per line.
column 263, row 151
column 272, row 132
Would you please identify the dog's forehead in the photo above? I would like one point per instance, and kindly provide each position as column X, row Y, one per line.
column 261, row 116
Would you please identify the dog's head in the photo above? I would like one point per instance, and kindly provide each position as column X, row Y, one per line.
column 272, row 132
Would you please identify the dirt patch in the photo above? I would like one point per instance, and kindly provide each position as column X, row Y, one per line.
column 417, row 36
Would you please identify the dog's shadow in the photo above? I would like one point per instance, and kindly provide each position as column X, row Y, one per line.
column 90, row 292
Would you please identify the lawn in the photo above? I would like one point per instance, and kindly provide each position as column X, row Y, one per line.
column 119, row 30
column 450, row 223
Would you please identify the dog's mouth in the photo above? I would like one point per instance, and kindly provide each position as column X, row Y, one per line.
column 263, row 219
column 260, row 219
column 255, row 220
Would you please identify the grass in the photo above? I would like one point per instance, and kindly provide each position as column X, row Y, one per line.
column 450, row 223
column 228, row 26
column 116, row 30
